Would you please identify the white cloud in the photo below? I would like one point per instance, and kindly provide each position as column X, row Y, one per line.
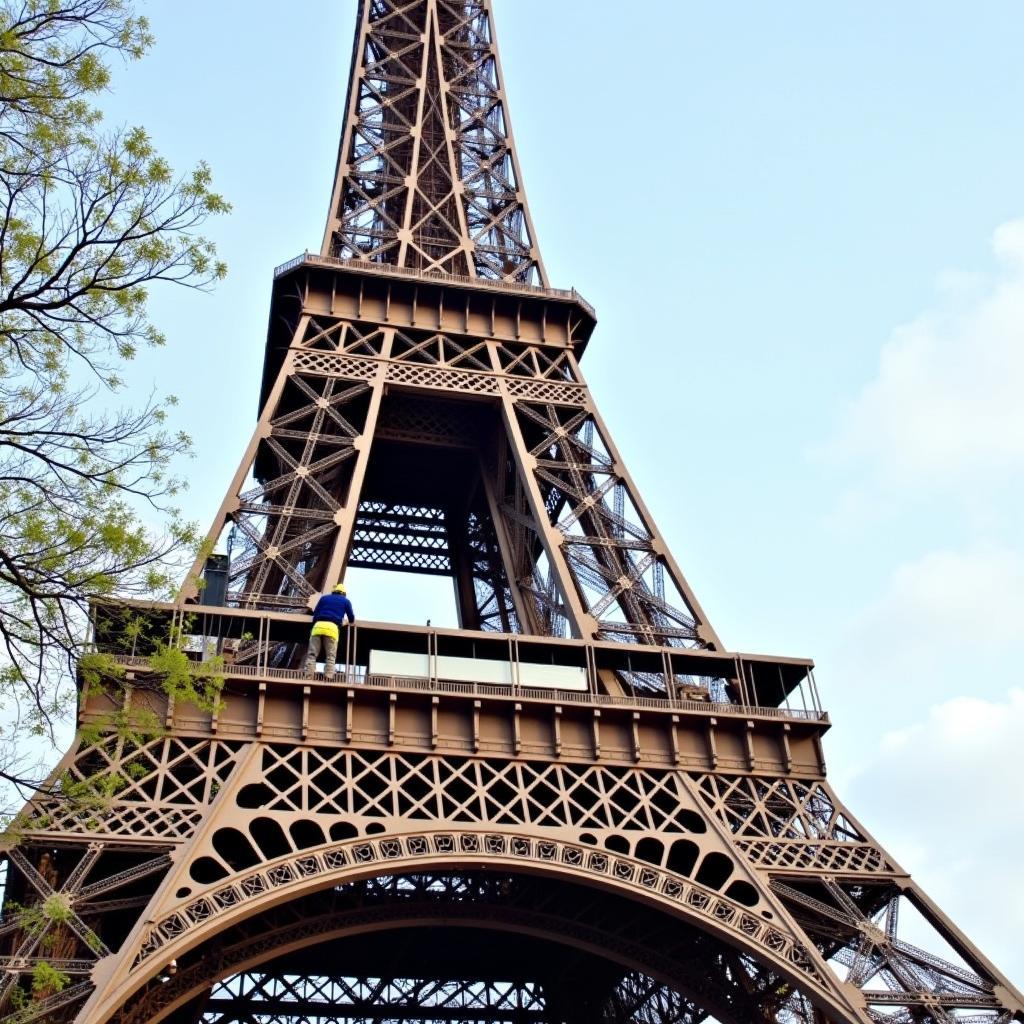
column 944, row 796
column 947, row 623
column 972, row 597
column 935, row 657
column 945, row 407
column 941, row 788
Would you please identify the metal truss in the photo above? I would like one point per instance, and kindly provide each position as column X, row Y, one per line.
column 832, row 876
column 682, row 972
column 277, row 999
column 645, row 1000
column 542, row 607
column 611, row 549
column 857, row 929
column 286, row 519
column 493, row 596
column 402, row 538
column 155, row 791
column 531, row 511
column 287, row 999
column 286, row 502
column 427, row 174
column 61, row 909
column 791, row 824
column 635, row 858
column 267, row 824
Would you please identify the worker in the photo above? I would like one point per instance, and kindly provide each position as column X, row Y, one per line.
column 332, row 611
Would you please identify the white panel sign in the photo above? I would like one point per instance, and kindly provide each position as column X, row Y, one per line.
column 478, row 670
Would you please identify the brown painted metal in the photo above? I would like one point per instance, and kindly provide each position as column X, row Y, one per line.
column 427, row 174
column 389, row 410
column 661, row 846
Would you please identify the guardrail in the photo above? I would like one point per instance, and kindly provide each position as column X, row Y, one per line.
column 433, row 277
column 435, row 686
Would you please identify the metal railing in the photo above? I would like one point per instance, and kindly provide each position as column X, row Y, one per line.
column 434, row 277
column 359, row 677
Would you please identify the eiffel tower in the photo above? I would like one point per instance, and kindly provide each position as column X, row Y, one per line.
column 579, row 805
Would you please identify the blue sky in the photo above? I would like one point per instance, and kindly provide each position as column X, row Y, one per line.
column 801, row 226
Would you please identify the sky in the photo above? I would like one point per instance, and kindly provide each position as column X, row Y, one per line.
column 802, row 226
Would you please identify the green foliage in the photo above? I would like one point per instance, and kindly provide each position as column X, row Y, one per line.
column 34, row 920
column 47, row 980
column 52, row 58
column 40, row 921
column 174, row 661
column 97, row 671
column 17, row 1001
column 90, row 220
column 188, row 681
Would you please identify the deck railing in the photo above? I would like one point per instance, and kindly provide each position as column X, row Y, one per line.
column 360, row 677
column 434, row 277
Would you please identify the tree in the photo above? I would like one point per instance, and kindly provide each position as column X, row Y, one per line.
column 91, row 219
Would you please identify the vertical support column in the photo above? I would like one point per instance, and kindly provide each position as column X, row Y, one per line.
column 523, row 609
column 351, row 120
column 190, row 588
column 435, row 43
column 346, row 517
column 661, row 549
column 405, row 234
column 542, row 273
column 582, row 624
column 462, row 568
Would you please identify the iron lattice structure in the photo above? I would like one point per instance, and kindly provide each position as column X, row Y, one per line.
column 427, row 172
column 656, row 845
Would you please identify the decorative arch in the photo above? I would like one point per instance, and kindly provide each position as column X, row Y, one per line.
column 766, row 936
column 187, row 985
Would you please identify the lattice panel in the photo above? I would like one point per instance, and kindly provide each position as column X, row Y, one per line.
column 790, row 825
column 342, row 336
column 467, row 790
column 333, row 365
column 536, row 362
column 778, row 809
column 284, row 999
column 839, row 858
column 438, row 376
column 421, row 421
column 161, row 790
column 547, row 391
column 401, row 538
column 331, row 795
column 441, row 350
column 418, row 376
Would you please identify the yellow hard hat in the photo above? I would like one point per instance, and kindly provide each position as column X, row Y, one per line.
column 340, row 589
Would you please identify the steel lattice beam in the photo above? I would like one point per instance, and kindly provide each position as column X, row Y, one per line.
column 651, row 858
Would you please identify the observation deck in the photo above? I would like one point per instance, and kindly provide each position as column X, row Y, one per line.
column 640, row 705
column 404, row 298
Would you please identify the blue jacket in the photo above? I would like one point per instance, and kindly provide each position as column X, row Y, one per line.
column 334, row 608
